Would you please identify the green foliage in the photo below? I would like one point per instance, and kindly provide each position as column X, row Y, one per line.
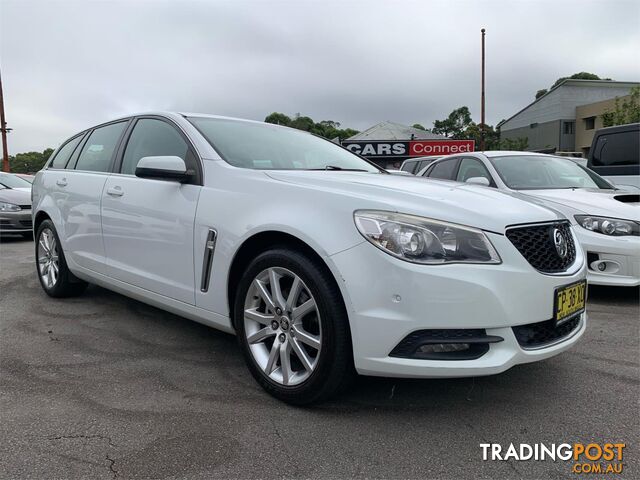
column 29, row 162
column 278, row 119
column 579, row 76
column 575, row 76
column 491, row 135
column 541, row 92
column 325, row 128
column 418, row 126
column 625, row 111
column 460, row 126
column 520, row 143
column 455, row 124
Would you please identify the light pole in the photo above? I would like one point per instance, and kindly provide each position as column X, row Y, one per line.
column 4, row 130
column 482, row 124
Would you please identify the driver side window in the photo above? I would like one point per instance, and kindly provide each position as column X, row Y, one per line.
column 151, row 137
column 470, row 168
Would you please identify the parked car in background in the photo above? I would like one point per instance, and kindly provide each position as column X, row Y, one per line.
column 615, row 155
column 24, row 176
column 607, row 219
column 15, row 211
column 414, row 165
column 13, row 181
column 317, row 259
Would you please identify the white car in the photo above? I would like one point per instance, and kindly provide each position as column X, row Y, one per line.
column 606, row 219
column 318, row 260
column 14, row 182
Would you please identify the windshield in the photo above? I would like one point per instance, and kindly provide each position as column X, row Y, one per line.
column 543, row 172
column 263, row 146
column 12, row 181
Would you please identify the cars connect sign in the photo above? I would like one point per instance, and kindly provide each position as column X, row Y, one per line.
column 413, row 148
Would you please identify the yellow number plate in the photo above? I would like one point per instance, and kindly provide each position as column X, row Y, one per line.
column 569, row 300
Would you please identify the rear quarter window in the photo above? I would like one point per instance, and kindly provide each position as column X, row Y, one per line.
column 617, row 149
column 65, row 152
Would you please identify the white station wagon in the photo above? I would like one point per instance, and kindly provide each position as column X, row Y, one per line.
column 321, row 263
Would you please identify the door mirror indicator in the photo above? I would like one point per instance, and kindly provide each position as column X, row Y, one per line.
column 164, row 168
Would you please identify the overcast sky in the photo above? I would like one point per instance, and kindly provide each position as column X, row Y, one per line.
column 69, row 64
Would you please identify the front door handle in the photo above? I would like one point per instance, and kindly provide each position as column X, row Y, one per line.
column 115, row 191
column 62, row 182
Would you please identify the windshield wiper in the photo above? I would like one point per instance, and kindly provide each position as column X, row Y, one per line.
column 336, row 168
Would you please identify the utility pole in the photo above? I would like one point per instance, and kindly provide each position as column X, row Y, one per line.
column 4, row 130
column 482, row 124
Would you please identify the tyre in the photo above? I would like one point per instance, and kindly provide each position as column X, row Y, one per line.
column 293, row 328
column 53, row 273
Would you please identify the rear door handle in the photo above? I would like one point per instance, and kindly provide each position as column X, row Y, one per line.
column 115, row 191
column 62, row 182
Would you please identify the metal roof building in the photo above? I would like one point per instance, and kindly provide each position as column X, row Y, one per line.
column 395, row 131
column 549, row 122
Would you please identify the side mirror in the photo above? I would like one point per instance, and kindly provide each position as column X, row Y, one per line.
column 478, row 181
column 163, row 168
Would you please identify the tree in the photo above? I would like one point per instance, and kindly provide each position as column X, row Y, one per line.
column 625, row 111
column 520, row 143
column 575, row 76
column 579, row 76
column 325, row 128
column 491, row 136
column 302, row 123
column 455, row 124
column 418, row 126
column 278, row 119
column 29, row 162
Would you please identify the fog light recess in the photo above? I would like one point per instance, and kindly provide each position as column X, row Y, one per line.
column 445, row 344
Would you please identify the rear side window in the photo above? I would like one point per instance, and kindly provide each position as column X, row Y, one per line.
column 409, row 166
column 63, row 155
column 614, row 149
column 423, row 164
column 150, row 138
column 444, row 170
column 98, row 149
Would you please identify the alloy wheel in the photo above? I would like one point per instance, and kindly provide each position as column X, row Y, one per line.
column 282, row 325
column 48, row 258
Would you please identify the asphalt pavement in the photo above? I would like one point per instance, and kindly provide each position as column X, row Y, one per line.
column 102, row 386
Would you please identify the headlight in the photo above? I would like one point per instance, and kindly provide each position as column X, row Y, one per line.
column 426, row 241
column 608, row 226
column 9, row 207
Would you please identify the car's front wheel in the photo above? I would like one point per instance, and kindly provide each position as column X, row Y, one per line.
column 54, row 275
column 293, row 327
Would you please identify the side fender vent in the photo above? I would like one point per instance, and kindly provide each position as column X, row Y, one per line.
column 207, row 259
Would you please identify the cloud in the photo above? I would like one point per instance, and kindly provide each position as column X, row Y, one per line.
column 69, row 64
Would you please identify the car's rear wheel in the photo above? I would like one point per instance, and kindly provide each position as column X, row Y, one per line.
column 53, row 273
column 293, row 327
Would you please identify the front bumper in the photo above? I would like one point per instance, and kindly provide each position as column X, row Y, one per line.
column 618, row 257
column 388, row 299
column 16, row 222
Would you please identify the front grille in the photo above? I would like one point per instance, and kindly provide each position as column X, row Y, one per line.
column 536, row 335
column 536, row 243
column 25, row 207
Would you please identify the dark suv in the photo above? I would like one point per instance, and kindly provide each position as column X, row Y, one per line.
column 615, row 154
